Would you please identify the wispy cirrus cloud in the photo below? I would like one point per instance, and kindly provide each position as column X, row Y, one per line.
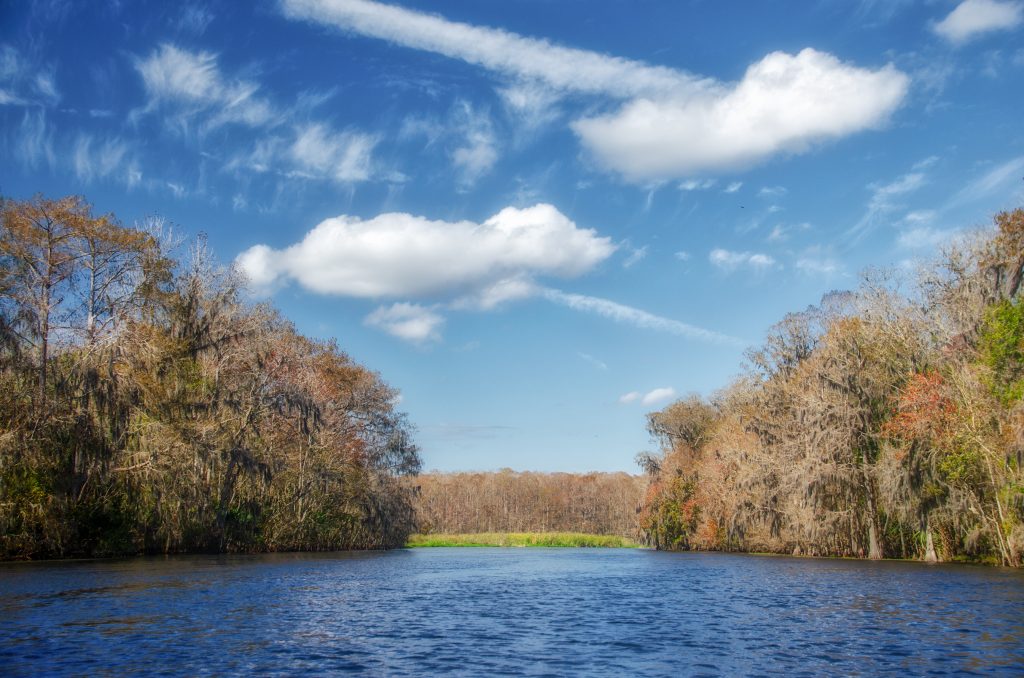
column 886, row 199
column 996, row 180
column 636, row 317
column 23, row 83
column 672, row 124
column 108, row 158
column 191, row 83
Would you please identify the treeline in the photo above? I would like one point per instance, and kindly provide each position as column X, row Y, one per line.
column 509, row 501
column 878, row 424
column 145, row 407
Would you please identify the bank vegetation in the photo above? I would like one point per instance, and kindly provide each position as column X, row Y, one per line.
column 883, row 422
column 146, row 407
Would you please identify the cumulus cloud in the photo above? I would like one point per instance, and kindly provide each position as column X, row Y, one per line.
column 729, row 261
column 410, row 322
column 192, row 82
column 784, row 104
column 401, row 255
column 973, row 18
column 673, row 123
column 652, row 397
column 658, row 395
column 636, row 317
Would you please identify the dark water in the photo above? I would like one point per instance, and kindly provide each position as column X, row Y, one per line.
column 509, row 611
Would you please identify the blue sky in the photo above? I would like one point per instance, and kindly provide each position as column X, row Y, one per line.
column 538, row 220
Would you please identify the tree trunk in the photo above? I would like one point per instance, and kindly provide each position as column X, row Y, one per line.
column 874, row 546
column 929, row 547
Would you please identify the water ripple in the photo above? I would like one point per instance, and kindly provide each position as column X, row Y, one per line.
column 537, row 612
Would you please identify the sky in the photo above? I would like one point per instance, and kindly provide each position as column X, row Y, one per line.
column 538, row 220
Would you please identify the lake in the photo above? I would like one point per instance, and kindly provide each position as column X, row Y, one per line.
column 490, row 611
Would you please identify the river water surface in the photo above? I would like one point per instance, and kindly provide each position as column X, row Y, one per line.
column 509, row 611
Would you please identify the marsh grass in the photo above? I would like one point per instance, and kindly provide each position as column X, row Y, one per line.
column 558, row 539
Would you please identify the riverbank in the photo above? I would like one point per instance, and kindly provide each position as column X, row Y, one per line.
column 548, row 539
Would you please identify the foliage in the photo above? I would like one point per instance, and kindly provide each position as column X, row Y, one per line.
column 510, row 501
column 145, row 407
column 545, row 539
column 875, row 424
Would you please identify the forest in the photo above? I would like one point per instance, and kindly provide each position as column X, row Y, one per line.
column 883, row 422
column 510, row 501
column 147, row 407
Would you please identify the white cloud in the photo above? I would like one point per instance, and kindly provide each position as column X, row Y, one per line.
column 512, row 55
column 658, row 395
column 682, row 256
column 926, row 237
column 783, row 104
column 599, row 364
column 410, row 322
column 191, row 82
column 23, row 83
column 973, row 18
column 531, row 105
column 729, row 261
column 782, row 232
column 999, row 178
column 401, row 255
column 697, row 185
column 818, row 266
column 650, row 398
column 772, row 192
column 342, row 156
column 477, row 153
column 673, row 124
column 628, row 315
column 100, row 160
column 33, row 141
column 635, row 256
column 885, row 200
column 501, row 292
column 733, row 187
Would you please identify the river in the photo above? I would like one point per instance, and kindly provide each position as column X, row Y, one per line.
column 489, row 611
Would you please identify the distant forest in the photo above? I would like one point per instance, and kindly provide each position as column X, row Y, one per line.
column 507, row 501
column 884, row 422
column 146, row 407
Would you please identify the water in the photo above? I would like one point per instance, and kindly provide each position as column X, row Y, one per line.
column 509, row 611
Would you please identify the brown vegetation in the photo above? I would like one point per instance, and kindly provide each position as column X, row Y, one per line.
column 877, row 424
column 508, row 501
column 145, row 407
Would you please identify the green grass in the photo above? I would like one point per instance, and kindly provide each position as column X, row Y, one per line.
column 563, row 539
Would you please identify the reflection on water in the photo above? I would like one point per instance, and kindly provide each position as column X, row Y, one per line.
column 513, row 611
